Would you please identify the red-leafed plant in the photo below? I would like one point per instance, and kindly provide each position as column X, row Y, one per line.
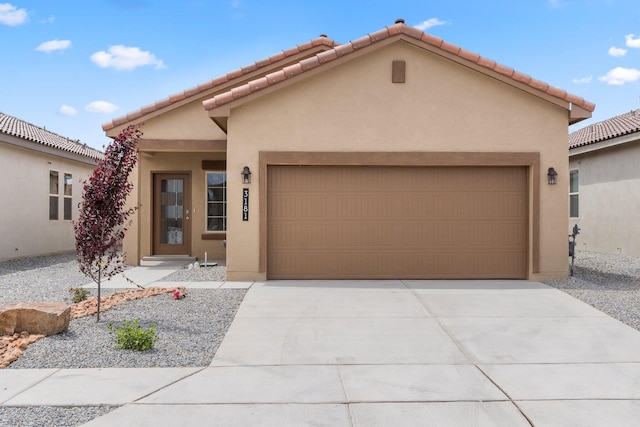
column 104, row 218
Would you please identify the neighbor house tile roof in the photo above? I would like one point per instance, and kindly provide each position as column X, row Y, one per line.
column 398, row 29
column 623, row 124
column 219, row 81
column 20, row 129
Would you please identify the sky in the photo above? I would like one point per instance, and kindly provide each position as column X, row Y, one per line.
column 72, row 65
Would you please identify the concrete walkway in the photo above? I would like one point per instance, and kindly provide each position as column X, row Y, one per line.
column 378, row 353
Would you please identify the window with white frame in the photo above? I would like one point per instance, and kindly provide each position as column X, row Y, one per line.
column 68, row 199
column 216, row 201
column 574, row 187
column 53, row 195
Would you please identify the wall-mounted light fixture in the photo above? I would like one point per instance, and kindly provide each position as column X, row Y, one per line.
column 551, row 176
column 246, row 175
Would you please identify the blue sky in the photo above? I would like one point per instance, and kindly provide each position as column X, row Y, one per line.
column 71, row 66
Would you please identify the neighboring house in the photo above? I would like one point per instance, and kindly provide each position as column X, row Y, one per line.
column 397, row 155
column 604, row 161
column 41, row 175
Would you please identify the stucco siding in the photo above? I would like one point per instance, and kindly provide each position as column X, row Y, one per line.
column 609, row 216
column 25, row 227
column 442, row 107
column 190, row 122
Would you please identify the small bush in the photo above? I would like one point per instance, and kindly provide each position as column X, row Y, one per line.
column 130, row 336
column 78, row 294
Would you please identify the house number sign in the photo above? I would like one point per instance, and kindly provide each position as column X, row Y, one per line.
column 245, row 204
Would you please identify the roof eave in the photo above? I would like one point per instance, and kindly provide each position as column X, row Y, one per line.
column 607, row 143
column 45, row 149
column 578, row 114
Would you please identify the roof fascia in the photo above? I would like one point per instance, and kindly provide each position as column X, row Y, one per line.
column 601, row 145
column 578, row 114
column 37, row 147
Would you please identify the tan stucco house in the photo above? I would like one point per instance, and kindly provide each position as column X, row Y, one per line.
column 396, row 155
column 604, row 186
column 41, row 174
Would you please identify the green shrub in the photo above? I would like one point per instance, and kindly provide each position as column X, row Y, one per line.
column 78, row 294
column 130, row 336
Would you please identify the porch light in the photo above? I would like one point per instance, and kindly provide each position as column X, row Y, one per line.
column 551, row 176
column 246, row 175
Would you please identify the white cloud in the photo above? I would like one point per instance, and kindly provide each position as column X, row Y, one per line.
column 619, row 76
column 617, row 51
column 11, row 15
column 49, row 20
column 66, row 110
column 433, row 22
column 631, row 42
column 101, row 107
column 582, row 80
column 125, row 58
column 52, row 45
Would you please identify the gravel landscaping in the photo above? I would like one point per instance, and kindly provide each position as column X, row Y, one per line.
column 190, row 330
column 610, row 283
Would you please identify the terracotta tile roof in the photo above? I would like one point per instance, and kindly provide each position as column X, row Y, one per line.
column 623, row 124
column 19, row 128
column 398, row 29
column 197, row 90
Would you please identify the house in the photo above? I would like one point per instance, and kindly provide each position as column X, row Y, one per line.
column 396, row 155
column 41, row 174
column 604, row 184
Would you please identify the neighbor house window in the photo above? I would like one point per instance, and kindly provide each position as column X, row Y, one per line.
column 573, row 194
column 68, row 182
column 216, row 201
column 53, row 195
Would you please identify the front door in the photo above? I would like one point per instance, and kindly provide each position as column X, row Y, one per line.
column 171, row 214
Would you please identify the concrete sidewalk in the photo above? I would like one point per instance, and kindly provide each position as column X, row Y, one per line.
column 377, row 353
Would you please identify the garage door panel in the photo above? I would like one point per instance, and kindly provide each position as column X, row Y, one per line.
column 392, row 222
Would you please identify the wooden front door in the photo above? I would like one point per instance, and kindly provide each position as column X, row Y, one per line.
column 171, row 214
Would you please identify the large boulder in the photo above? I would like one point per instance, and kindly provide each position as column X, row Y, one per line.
column 45, row 318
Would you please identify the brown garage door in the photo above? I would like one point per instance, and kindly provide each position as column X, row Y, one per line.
column 397, row 222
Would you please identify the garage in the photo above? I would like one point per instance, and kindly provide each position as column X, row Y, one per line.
column 359, row 222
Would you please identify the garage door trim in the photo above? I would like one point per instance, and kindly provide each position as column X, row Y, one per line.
column 528, row 159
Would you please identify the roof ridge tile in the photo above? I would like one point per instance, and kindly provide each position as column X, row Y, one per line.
column 379, row 35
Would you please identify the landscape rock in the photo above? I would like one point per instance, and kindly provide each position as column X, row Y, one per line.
column 13, row 346
column 40, row 318
column 89, row 306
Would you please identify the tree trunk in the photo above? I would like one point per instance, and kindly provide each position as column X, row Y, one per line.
column 99, row 280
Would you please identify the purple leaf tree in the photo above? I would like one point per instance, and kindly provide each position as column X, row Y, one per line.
column 104, row 217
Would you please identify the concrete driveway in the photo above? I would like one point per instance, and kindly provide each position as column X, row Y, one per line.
column 407, row 353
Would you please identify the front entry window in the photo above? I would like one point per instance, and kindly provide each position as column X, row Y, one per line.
column 216, row 201
column 171, row 211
